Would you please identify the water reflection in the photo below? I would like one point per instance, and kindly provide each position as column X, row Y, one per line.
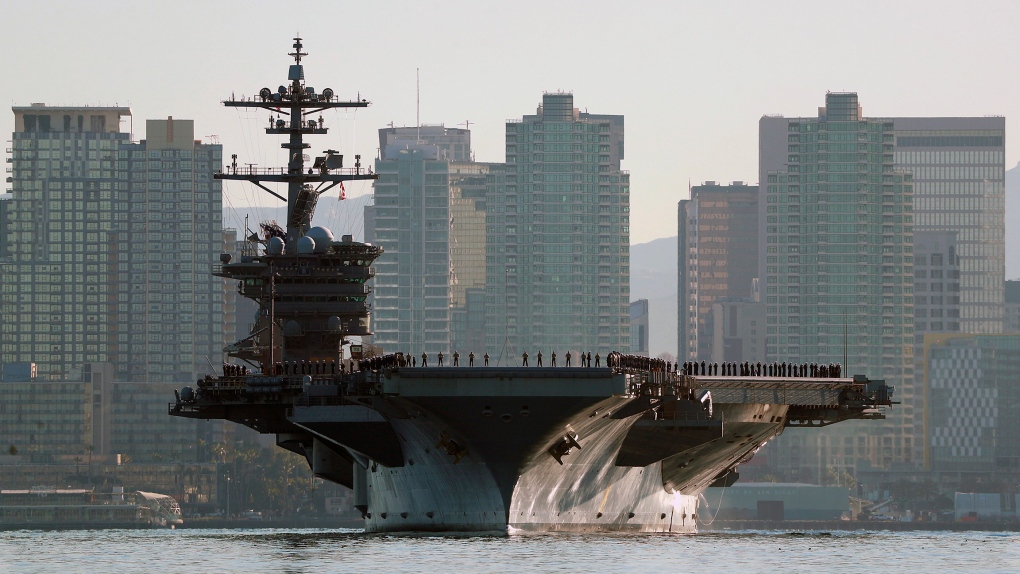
column 305, row 551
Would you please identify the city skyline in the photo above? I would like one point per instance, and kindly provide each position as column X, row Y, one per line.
column 693, row 84
column 872, row 244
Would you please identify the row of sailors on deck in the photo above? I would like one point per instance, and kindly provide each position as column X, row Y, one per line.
column 746, row 369
column 639, row 362
column 384, row 362
column 232, row 370
column 310, row 367
column 584, row 357
column 293, row 368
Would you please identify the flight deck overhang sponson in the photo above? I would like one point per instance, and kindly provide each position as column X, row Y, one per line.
column 358, row 428
column 504, row 382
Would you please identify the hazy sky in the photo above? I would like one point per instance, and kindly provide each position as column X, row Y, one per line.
column 692, row 79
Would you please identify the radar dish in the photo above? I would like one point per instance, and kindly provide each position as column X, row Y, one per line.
column 323, row 238
column 306, row 246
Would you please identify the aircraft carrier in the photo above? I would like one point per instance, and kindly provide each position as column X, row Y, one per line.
column 628, row 446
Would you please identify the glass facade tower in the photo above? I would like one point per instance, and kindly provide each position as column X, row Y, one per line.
column 429, row 217
column 558, row 236
column 957, row 172
column 837, row 265
column 411, row 222
column 111, row 245
column 718, row 246
column 959, row 169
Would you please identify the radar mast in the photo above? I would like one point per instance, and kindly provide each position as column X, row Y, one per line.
column 292, row 105
column 311, row 290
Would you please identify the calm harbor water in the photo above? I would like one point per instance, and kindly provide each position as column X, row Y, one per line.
column 318, row 551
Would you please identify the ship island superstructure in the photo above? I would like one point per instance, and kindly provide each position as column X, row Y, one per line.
column 625, row 446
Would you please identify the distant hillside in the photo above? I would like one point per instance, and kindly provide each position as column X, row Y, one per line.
column 653, row 269
column 653, row 276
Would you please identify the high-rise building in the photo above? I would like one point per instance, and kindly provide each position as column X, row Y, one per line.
column 5, row 204
column 736, row 328
column 231, row 324
column 936, row 284
column 47, row 421
column 837, row 267
column 639, row 327
column 94, row 429
column 972, row 422
column 558, row 235
column 959, row 167
column 1013, row 306
column 429, row 217
column 111, row 245
column 936, row 310
column 958, row 170
column 469, row 183
column 718, row 246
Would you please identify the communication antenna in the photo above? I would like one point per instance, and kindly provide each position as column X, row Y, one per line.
column 506, row 313
column 417, row 102
column 467, row 126
column 211, row 367
column 845, row 365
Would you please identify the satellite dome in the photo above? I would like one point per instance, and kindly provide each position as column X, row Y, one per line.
column 306, row 245
column 334, row 324
column 275, row 246
column 292, row 329
column 322, row 236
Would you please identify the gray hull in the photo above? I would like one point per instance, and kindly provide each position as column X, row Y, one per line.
column 481, row 461
column 498, row 450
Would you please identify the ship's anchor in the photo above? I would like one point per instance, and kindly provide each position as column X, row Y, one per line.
column 562, row 448
column 452, row 447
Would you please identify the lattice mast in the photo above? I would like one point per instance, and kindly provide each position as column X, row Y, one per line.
column 311, row 290
column 300, row 101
